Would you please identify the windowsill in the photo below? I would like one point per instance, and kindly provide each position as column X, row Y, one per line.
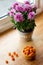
column 4, row 6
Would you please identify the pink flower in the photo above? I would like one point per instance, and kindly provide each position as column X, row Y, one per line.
column 11, row 13
column 14, row 4
column 27, row 8
column 18, row 17
column 31, row 15
column 13, row 10
column 27, row 2
column 19, row 8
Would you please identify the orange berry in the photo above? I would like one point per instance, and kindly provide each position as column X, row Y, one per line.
column 7, row 62
column 13, row 59
column 14, row 53
column 31, row 54
column 31, row 50
column 27, row 52
column 27, row 49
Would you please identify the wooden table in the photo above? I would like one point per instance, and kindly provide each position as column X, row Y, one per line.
column 10, row 42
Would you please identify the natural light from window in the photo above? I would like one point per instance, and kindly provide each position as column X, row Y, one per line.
column 31, row 1
column 5, row 4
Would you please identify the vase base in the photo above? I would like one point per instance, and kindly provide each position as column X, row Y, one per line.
column 25, row 36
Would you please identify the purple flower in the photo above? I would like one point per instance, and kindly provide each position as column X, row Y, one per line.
column 13, row 10
column 11, row 13
column 31, row 15
column 18, row 17
column 27, row 8
column 27, row 2
column 19, row 8
column 14, row 4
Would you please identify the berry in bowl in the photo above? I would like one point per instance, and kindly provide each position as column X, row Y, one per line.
column 29, row 52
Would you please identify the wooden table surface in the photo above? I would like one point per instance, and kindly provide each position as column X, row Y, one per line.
column 10, row 42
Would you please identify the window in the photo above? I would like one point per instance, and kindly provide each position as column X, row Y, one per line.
column 4, row 6
column 31, row 1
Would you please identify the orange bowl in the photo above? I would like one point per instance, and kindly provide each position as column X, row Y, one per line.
column 29, row 52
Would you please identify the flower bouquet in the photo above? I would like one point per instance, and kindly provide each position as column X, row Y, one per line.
column 23, row 16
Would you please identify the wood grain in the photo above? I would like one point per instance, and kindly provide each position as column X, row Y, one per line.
column 10, row 41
